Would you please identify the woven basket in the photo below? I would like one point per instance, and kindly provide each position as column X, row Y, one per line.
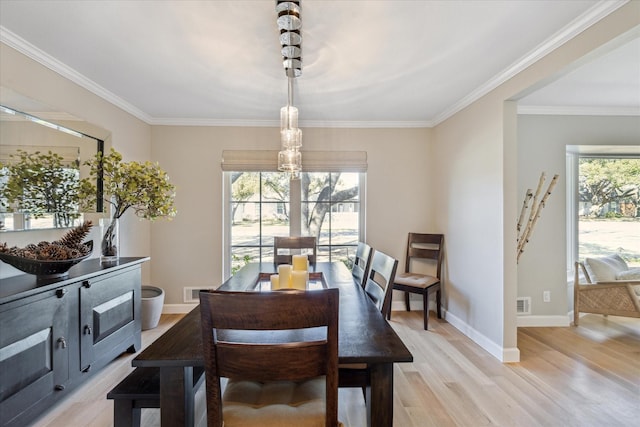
column 45, row 269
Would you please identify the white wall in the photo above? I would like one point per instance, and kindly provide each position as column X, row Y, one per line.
column 187, row 251
column 477, row 197
column 542, row 142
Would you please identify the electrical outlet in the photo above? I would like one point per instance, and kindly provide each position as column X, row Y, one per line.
column 546, row 296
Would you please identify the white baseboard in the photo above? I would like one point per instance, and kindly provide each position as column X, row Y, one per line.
column 505, row 355
column 543, row 321
column 177, row 308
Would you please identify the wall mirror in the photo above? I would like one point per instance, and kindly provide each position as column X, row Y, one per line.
column 31, row 130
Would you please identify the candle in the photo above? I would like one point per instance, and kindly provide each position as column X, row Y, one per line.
column 275, row 282
column 284, row 271
column 299, row 279
column 300, row 262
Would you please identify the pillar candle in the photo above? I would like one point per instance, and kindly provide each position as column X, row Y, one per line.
column 299, row 279
column 284, row 271
column 275, row 282
column 300, row 262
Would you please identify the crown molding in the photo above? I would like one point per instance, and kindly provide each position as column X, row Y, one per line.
column 577, row 111
column 587, row 19
column 12, row 40
column 302, row 123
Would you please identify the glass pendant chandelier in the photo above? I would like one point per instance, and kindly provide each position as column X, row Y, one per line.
column 289, row 23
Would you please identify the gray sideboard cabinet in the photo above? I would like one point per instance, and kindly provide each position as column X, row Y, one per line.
column 56, row 334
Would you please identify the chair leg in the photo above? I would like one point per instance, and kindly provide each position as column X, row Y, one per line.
column 406, row 301
column 425, row 299
column 438, row 303
column 125, row 414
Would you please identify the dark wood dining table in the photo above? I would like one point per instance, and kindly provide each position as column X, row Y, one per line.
column 364, row 337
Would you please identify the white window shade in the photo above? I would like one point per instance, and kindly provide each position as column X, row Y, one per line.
column 312, row 161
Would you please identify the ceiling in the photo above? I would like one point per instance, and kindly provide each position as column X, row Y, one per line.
column 365, row 63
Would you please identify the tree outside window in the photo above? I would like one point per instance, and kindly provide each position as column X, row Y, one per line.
column 609, row 207
column 261, row 208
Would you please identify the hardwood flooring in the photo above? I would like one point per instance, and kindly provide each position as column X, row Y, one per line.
column 587, row 376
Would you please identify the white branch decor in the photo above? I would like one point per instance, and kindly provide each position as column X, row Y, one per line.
column 534, row 212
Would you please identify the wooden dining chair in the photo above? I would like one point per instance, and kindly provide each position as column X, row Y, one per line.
column 361, row 263
column 422, row 246
column 379, row 281
column 378, row 286
column 280, row 373
column 285, row 247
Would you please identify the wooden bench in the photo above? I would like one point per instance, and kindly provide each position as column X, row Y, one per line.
column 141, row 389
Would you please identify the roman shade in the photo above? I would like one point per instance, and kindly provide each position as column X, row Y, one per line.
column 313, row 161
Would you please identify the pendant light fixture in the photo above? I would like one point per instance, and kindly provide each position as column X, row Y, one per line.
column 289, row 24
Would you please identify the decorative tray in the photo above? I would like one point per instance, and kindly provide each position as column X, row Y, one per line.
column 44, row 269
column 316, row 281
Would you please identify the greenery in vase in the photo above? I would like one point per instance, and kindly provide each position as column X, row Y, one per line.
column 141, row 186
column 40, row 183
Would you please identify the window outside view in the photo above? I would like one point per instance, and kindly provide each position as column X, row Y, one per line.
column 609, row 208
column 261, row 208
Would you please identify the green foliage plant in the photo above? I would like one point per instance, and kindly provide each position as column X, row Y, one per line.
column 39, row 183
column 141, row 186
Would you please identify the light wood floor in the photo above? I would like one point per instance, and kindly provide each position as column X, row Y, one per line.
column 582, row 377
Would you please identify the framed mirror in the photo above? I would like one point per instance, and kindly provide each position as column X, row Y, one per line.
column 42, row 155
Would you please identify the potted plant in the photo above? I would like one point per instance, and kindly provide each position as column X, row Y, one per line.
column 141, row 186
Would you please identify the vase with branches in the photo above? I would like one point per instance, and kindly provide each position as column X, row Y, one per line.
column 141, row 186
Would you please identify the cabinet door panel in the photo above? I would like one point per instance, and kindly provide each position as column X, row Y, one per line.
column 109, row 313
column 112, row 315
column 33, row 353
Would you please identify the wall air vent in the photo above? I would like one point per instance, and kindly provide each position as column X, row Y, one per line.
column 523, row 305
column 191, row 294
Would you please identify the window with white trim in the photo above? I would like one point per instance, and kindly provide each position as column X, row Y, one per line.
column 604, row 210
column 262, row 204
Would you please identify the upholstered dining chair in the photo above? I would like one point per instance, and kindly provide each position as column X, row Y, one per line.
column 361, row 263
column 285, row 247
column 277, row 374
column 421, row 246
column 378, row 286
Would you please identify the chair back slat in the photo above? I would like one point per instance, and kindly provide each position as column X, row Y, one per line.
column 302, row 360
column 285, row 247
column 362, row 263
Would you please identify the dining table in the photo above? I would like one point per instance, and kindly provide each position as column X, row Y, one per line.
column 364, row 335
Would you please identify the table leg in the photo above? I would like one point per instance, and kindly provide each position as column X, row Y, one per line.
column 380, row 405
column 176, row 397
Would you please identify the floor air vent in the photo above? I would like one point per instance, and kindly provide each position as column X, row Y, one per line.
column 523, row 305
column 191, row 294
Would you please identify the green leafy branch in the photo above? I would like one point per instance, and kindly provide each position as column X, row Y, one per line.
column 141, row 186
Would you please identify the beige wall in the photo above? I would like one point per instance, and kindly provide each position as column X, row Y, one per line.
column 129, row 135
column 476, row 151
column 188, row 251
